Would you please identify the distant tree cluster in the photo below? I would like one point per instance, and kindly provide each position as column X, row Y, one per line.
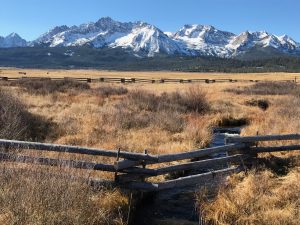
column 120, row 59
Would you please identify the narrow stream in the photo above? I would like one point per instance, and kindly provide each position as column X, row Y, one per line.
column 176, row 206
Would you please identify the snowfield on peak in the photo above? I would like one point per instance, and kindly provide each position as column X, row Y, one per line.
column 149, row 39
column 144, row 39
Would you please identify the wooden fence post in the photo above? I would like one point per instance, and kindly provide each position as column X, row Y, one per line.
column 144, row 164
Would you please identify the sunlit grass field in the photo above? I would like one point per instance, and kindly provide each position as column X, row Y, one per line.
column 13, row 72
column 162, row 118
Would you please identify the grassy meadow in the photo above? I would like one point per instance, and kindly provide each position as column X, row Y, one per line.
column 162, row 118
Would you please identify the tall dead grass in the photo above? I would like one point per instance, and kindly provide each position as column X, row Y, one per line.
column 38, row 196
column 34, row 195
column 256, row 198
column 269, row 88
column 260, row 197
column 135, row 120
column 17, row 123
column 166, row 111
column 47, row 86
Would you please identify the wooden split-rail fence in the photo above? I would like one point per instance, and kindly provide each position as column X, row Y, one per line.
column 138, row 80
column 132, row 169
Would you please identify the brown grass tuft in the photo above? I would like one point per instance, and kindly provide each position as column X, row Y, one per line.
column 269, row 88
column 108, row 90
column 258, row 198
column 39, row 196
column 46, row 86
column 143, row 109
column 17, row 123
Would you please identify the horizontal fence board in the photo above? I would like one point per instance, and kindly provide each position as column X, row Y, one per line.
column 207, row 163
column 183, row 181
column 196, row 179
column 74, row 149
column 140, row 171
column 199, row 153
column 55, row 162
column 120, row 165
column 241, row 139
column 140, row 80
column 201, row 164
column 276, row 148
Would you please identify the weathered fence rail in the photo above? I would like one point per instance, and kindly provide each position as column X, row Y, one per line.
column 138, row 80
column 131, row 169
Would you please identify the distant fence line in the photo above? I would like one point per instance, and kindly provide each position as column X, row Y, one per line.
column 141, row 80
column 131, row 169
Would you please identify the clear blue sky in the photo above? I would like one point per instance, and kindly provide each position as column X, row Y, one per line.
column 30, row 18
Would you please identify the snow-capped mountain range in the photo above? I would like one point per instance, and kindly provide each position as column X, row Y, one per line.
column 147, row 40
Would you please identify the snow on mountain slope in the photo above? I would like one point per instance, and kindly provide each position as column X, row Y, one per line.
column 138, row 36
column 11, row 41
column 247, row 40
column 204, row 39
column 49, row 36
column 95, row 34
column 147, row 40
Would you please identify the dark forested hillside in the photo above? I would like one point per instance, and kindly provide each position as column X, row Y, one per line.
column 120, row 59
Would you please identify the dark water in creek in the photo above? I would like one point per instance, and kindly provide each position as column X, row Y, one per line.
column 177, row 206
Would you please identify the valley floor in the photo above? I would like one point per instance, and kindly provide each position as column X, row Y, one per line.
column 163, row 118
column 15, row 72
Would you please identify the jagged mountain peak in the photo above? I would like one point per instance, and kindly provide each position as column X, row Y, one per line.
column 106, row 23
column 144, row 39
column 13, row 35
column 12, row 40
column 198, row 35
column 285, row 38
column 262, row 39
column 106, row 20
column 193, row 30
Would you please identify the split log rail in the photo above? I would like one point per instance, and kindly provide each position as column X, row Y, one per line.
column 138, row 80
column 132, row 169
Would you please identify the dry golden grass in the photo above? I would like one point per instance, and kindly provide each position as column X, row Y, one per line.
column 91, row 117
column 261, row 197
column 256, row 198
column 13, row 72
column 38, row 196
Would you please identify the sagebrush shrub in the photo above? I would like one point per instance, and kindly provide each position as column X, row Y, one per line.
column 46, row 86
